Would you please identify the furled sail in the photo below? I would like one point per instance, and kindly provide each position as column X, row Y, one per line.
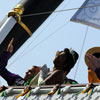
column 21, row 27
column 88, row 14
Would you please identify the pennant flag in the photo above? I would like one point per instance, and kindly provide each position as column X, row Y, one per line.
column 88, row 14
column 26, row 90
column 3, row 94
column 54, row 90
column 58, row 91
column 28, row 94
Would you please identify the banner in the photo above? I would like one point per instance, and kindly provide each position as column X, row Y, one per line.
column 88, row 14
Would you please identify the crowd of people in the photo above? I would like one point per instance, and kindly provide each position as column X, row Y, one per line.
column 63, row 62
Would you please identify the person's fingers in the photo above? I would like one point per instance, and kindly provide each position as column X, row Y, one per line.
column 91, row 57
column 91, row 60
column 11, row 48
column 11, row 42
column 88, row 57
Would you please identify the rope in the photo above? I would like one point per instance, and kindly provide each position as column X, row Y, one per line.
column 46, row 38
column 22, row 53
column 16, row 13
column 81, row 51
column 38, row 43
column 40, row 32
column 42, row 13
column 43, row 29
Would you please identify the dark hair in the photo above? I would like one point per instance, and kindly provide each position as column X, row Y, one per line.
column 71, row 59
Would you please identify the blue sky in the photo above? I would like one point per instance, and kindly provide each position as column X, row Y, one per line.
column 56, row 33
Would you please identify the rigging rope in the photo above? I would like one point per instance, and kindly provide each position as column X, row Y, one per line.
column 23, row 52
column 44, row 29
column 39, row 43
column 81, row 52
column 58, row 28
column 42, row 13
column 55, row 12
column 47, row 37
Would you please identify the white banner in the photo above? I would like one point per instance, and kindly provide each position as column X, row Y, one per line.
column 88, row 14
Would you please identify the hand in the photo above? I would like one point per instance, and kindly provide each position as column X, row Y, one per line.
column 10, row 46
column 93, row 62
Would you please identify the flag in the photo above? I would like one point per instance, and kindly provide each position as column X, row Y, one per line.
column 88, row 14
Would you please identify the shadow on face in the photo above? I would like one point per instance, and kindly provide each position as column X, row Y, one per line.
column 31, row 71
column 60, row 60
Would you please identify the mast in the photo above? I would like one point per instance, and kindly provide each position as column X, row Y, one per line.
column 32, row 23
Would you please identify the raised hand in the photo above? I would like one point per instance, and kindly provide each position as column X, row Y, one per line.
column 93, row 62
column 10, row 46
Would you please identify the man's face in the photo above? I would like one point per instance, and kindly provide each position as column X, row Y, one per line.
column 33, row 70
column 60, row 59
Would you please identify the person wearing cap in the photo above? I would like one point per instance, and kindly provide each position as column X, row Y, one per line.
column 64, row 61
column 92, row 60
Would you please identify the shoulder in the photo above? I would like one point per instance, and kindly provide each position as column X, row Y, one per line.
column 58, row 72
column 55, row 77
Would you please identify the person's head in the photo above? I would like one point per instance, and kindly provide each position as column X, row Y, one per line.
column 31, row 71
column 94, row 51
column 65, row 60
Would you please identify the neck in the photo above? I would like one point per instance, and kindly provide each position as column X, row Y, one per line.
column 57, row 68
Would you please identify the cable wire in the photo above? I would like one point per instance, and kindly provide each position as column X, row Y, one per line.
column 44, row 28
column 42, row 13
column 38, row 43
column 24, row 51
column 81, row 52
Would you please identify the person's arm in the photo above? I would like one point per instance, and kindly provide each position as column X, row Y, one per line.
column 57, row 77
column 10, row 77
column 92, row 77
column 94, row 64
column 6, row 55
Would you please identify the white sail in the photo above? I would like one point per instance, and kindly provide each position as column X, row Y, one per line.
column 88, row 14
